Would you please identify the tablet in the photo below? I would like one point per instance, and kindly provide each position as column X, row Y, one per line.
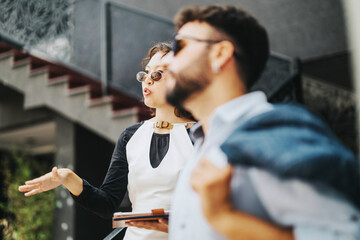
column 119, row 218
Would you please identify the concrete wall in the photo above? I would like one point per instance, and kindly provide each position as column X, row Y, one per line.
column 303, row 29
column 12, row 113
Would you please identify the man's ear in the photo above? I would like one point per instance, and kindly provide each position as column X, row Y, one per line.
column 220, row 54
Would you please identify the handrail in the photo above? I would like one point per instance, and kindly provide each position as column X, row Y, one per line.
column 114, row 233
column 294, row 78
column 105, row 46
column 352, row 8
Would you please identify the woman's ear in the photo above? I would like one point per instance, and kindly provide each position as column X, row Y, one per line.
column 220, row 54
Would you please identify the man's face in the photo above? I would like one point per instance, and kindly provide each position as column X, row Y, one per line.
column 189, row 68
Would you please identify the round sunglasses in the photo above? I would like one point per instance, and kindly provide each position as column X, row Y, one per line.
column 155, row 76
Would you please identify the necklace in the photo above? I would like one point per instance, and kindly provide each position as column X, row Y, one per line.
column 166, row 125
column 163, row 124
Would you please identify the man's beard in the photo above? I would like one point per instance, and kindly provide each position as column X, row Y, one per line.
column 188, row 83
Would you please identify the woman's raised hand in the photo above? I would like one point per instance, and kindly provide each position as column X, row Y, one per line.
column 46, row 182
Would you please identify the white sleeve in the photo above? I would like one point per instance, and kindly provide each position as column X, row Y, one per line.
column 316, row 233
column 314, row 211
column 217, row 157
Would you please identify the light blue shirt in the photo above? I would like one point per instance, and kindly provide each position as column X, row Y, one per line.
column 187, row 220
column 276, row 200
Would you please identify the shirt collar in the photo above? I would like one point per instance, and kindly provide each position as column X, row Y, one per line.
column 240, row 106
column 196, row 132
column 227, row 113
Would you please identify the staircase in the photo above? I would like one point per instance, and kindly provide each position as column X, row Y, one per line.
column 65, row 91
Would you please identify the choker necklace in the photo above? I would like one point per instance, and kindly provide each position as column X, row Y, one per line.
column 162, row 125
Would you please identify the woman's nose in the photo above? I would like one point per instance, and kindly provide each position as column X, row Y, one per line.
column 148, row 80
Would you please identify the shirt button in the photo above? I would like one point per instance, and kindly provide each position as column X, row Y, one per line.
column 354, row 218
column 183, row 225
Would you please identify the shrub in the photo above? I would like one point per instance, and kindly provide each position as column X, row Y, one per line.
column 21, row 217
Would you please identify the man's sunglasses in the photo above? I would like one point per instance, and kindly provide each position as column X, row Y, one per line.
column 178, row 44
column 155, row 76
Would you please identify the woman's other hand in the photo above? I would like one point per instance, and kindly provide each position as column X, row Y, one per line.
column 160, row 225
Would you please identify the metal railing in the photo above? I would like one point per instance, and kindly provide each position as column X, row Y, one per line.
column 115, row 233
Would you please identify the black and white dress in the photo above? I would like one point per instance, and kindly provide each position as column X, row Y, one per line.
column 146, row 164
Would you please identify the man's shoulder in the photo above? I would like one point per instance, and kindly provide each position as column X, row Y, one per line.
column 287, row 110
column 284, row 114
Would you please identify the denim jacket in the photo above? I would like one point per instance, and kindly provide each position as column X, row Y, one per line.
column 291, row 142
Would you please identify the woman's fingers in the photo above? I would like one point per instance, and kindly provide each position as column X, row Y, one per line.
column 53, row 175
column 151, row 225
column 26, row 188
column 34, row 181
column 30, row 189
column 33, row 192
column 164, row 220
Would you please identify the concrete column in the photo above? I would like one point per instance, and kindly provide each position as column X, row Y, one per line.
column 352, row 8
column 64, row 228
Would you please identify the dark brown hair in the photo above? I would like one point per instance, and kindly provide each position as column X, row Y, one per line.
column 248, row 36
column 165, row 48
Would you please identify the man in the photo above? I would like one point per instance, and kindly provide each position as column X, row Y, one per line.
column 291, row 178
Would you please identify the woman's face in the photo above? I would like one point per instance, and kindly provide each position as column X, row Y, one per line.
column 154, row 92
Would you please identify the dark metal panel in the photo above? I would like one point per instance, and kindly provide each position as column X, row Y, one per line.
column 86, row 39
column 335, row 69
column 281, row 79
column 133, row 33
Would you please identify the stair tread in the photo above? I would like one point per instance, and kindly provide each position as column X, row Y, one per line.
column 78, row 90
column 21, row 62
column 58, row 80
column 6, row 54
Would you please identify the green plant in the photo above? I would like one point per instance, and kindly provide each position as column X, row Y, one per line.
column 24, row 218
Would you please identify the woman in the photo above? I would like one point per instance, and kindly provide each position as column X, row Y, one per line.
column 146, row 161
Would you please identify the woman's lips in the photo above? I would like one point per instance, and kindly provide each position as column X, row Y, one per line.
column 146, row 92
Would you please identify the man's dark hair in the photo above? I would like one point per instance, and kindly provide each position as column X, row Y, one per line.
column 248, row 36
